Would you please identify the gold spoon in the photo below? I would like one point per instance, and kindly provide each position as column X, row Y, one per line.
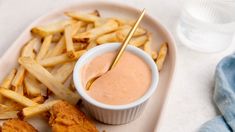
column 122, row 49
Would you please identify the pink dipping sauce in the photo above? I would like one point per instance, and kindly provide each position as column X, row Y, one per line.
column 126, row 82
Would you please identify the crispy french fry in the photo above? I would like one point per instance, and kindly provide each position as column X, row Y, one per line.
column 51, row 28
column 68, row 81
column 28, row 49
column 89, row 26
column 139, row 41
column 58, row 49
column 20, row 90
column 147, row 46
column 82, row 17
column 48, row 80
column 107, row 38
column 64, row 71
column 6, row 83
column 8, row 115
column 122, row 22
column 162, row 56
column 69, row 41
column 80, row 46
column 52, row 61
column 44, row 48
column 154, row 55
column 19, row 77
column 87, row 36
column 32, row 87
column 76, row 27
column 119, row 35
column 36, row 110
column 56, row 37
column 39, row 99
column 92, row 44
column 16, row 97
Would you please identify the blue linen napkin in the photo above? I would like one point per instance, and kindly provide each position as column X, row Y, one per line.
column 224, row 97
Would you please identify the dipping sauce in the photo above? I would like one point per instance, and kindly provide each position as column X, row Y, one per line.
column 126, row 82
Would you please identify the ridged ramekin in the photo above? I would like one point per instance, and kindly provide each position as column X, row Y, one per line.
column 114, row 114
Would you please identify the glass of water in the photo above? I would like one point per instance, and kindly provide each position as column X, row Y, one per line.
column 207, row 25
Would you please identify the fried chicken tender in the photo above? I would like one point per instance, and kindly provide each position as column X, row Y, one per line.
column 16, row 125
column 67, row 118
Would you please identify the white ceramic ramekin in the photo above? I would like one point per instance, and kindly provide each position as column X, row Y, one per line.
column 114, row 114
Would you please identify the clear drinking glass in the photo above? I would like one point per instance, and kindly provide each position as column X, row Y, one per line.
column 207, row 25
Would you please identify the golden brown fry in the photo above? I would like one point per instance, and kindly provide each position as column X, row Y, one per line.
column 69, row 41
column 58, row 49
column 119, row 35
column 139, row 41
column 17, row 97
column 53, row 61
column 39, row 99
column 56, row 37
column 162, row 56
column 6, row 83
column 36, row 110
column 80, row 46
column 147, row 45
column 87, row 36
column 44, row 47
column 64, row 71
column 32, row 87
column 108, row 38
column 28, row 49
column 92, row 44
column 8, row 115
column 89, row 26
column 76, row 27
column 82, row 17
column 19, row 77
column 51, row 28
column 48, row 80
column 20, row 90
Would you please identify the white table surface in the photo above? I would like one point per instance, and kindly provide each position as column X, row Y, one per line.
column 190, row 100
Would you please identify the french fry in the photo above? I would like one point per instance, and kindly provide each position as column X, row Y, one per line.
column 48, row 80
column 56, row 37
column 19, row 77
column 20, row 90
column 147, row 46
column 87, row 36
column 64, row 71
column 36, row 110
column 138, row 41
column 39, row 99
column 89, row 26
column 82, row 17
column 8, row 115
column 100, row 22
column 162, row 56
column 44, row 47
column 154, row 55
column 28, row 49
column 107, row 38
column 32, row 87
column 76, row 27
column 16, row 97
column 92, row 44
column 51, row 28
column 80, row 46
column 122, row 22
column 52, row 61
column 69, row 41
column 119, row 35
column 68, row 81
column 58, row 49
column 95, row 13
column 6, row 83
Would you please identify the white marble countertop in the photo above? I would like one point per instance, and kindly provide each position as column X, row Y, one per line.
column 190, row 100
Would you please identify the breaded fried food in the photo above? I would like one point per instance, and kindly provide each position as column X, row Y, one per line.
column 16, row 125
column 67, row 118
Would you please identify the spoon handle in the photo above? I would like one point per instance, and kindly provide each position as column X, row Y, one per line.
column 127, row 40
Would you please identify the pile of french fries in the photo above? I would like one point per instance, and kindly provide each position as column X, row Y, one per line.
column 47, row 60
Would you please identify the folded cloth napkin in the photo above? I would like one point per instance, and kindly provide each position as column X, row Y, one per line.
column 224, row 97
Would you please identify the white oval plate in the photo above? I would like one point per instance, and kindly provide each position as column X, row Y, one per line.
column 151, row 117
